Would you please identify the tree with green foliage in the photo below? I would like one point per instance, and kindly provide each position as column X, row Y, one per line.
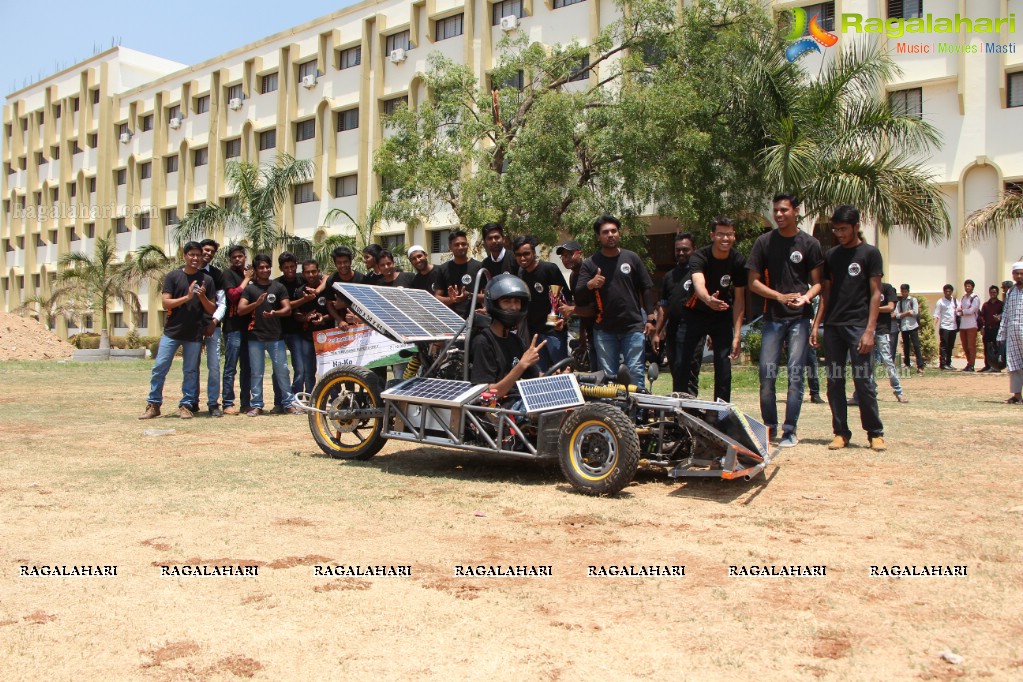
column 834, row 138
column 254, row 216
column 62, row 302
column 101, row 280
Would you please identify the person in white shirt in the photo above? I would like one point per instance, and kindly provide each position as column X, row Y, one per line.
column 907, row 312
column 945, row 317
column 968, row 312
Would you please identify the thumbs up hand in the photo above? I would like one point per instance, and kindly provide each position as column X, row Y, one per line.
column 596, row 282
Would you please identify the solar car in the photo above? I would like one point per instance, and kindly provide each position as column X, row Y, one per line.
column 599, row 428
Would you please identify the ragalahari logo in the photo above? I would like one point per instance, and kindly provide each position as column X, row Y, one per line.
column 818, row 36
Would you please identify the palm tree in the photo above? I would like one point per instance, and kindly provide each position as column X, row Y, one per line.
column 836, row 139
column 363, row 232
column 998, row 216
column 254, row 216
column 103, row 279
column 61, row 302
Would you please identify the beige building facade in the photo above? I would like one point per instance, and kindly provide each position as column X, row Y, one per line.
column 126, row 143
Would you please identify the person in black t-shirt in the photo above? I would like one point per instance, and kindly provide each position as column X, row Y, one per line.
column 426, row 276
column 268, row 301
column 622, row 290
column 500, row 358
column 548, row 292
column 212, row 334
column 498, row 259
column 458, row 276
column 337, row 305
column 186, row 302
column 848, row 311
column 291, row 330
column 311, row 313
column 389, row 277
column 369, row 259
column 236, row 332
column 785, row 269
column 673, row 316
column 719, row 282
column 571, row 253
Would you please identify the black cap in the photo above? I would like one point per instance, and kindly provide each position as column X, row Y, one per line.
column 568, row 246
column 1007, row 283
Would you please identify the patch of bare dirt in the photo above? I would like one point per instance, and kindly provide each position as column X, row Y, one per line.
column 23, row 338
column 292, row 561
column 39, row 617
column 156, row 544
column 356, row 584
column 295, row 521
column 239, row 666
column 169, row 652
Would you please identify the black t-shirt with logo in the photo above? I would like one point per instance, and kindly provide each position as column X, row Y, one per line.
column 785, row 264
column 849, row 271
column 722, row 277
column 499, row 267
column 454, row 274
column 316, row 305
column 296, row 290
column 489, row 367
column 263, row 327
column 427, row 282
column 186, row 322
column 404, row 279
column 676, row 289
column 234, row 322
column 620, row 306
column 539, row 281
column 888, row 295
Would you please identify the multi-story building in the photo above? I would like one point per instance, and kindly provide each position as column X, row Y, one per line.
column 126, row 143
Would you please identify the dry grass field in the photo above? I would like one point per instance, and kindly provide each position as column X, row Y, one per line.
column 82, row 485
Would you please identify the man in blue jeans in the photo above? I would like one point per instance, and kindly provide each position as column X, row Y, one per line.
column 785, row 269
column 184, row 299
column 267, row 300
column 291, row 330
column 236, row 332
column 617, row 282
column 211, row 334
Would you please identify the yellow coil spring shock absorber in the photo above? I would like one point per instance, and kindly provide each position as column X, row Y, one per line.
column 412, row 368
column 609, row 391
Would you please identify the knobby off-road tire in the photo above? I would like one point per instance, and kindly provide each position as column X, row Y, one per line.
column 598, row 450
column 348, row 387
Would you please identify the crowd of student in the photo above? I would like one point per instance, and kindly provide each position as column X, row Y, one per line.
column 701, row 302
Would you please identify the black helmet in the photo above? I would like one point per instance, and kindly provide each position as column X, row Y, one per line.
column 506, row 286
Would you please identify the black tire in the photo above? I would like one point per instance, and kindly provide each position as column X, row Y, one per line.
column 598, row 450
column 355, row 387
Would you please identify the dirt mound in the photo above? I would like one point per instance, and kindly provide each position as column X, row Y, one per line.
column 22, row 338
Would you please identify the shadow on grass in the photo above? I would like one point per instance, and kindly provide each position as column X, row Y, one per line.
column 723, row 491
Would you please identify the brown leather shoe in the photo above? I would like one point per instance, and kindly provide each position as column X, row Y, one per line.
column 152, row 411
column 254, row 412
column 877, row 444
column 295, row 409
column 232, row 410
column 838, row 443
column 184, row 412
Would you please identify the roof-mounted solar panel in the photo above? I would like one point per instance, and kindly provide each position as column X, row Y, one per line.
column 549, row 393
column 407, row 315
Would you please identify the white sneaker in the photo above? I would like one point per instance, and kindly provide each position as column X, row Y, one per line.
column 789, row 440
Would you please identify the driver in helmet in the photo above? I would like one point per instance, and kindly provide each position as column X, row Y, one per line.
column 500, row 358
